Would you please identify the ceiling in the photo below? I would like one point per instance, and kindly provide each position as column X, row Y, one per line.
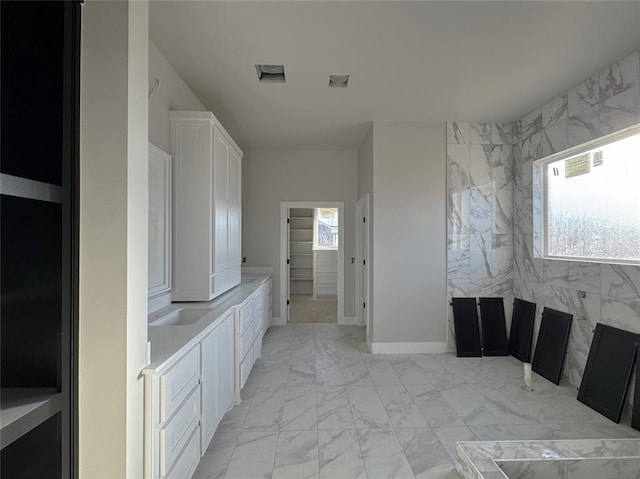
column 408, row 61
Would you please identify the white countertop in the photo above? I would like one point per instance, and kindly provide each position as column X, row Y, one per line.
column 171, row 341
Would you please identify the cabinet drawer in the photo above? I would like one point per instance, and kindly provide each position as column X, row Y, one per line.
column 177, row 432
column 188, row 461
column 246, row 340
column 246, row 316
column 257, row 348
column 178, row 382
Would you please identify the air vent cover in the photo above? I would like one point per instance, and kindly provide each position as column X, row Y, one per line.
column 339, row 81
column 270, row 73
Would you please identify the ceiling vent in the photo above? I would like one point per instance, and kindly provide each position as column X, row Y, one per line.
column 270, row 73
column 339, row 81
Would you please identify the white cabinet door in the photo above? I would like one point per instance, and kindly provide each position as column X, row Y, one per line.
column 159, row 221
column 210, row 376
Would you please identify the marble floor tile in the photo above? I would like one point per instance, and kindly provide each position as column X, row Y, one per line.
column 334, row 408
column 434, row 407
column 340, row 454
column 297, row 455
column 381, row 373
column 400, row 407
column 449, row 435
column 436, row 464
column 213, row 465
column 253, row 456
column 468, row 408
column 300, row 411
column 383, row 456
column 367, row 409
column 265, row 411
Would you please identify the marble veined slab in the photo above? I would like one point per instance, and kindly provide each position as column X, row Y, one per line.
column 562, row 459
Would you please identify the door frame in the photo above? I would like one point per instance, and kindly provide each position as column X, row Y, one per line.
column 284, row 270
column 362, row 294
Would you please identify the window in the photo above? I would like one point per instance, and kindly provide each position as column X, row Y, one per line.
column 589, row 201
column 325, row 228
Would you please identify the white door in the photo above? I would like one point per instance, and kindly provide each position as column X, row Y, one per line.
column 363, row 259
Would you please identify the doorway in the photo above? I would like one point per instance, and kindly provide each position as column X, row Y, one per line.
column 312, row 262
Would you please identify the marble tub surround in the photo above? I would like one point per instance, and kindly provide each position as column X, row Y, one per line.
column 317, row 404
column 564, row 459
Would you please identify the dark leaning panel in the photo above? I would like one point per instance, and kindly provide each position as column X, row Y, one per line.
column 494, row 331
column 608, row 371
column 552, row 344
column 465, row 323
column 521, row 336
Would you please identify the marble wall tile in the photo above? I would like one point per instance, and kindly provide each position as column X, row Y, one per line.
column 480, row 265
column 620, row 111
column 584, row 127
column 457, row 133
column 502, row 167
column 555, row 138
column 480, row 210
column 480, row 133
column 555, row 111
column 503, row 134
column 584, row 96
column 502, row 256
column 556, row 273
column 531, row 124
column 523, row 212
column 458, row 210
column 531, row 150
column 620, row 313
column 458, row 166
column 620, row 76
column 458, row 256
column 503, row 212
column 621, row 281
column 585, row 276
column 480, row 158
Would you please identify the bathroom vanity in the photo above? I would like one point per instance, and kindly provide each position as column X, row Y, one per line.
column 201, row 354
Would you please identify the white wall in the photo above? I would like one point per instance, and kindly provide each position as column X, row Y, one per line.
column 409, row 223
column 173, row 94
column 270, row 177
column 113, row 238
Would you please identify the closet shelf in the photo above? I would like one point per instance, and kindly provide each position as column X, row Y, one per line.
column 22, row 409
column 301, row 279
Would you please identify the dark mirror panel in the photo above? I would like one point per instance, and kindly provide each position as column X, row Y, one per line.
column 31, row 39
column 494, row 331
column 608, row 370
column 31, row 238
column 465, row 323
column 521, row 336
column 552, row 344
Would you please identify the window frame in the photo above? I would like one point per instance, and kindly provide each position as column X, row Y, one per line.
column 540, row 200
column 315, row 245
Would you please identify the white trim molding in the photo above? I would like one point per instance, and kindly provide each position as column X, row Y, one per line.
column 348, row 320
column 277, row 321
column 424, row 347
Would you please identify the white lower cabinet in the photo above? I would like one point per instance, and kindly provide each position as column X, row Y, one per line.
column 217, row 377
column 185, row 400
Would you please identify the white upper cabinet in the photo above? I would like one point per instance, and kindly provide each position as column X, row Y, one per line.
column 159, row 221
column 207, row 171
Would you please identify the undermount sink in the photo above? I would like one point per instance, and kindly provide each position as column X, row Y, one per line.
column 180, row 317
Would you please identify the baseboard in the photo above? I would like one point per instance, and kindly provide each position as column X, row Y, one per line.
column 277, row 322
column 369, row 344
column 426, row 347
column 347, row 321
